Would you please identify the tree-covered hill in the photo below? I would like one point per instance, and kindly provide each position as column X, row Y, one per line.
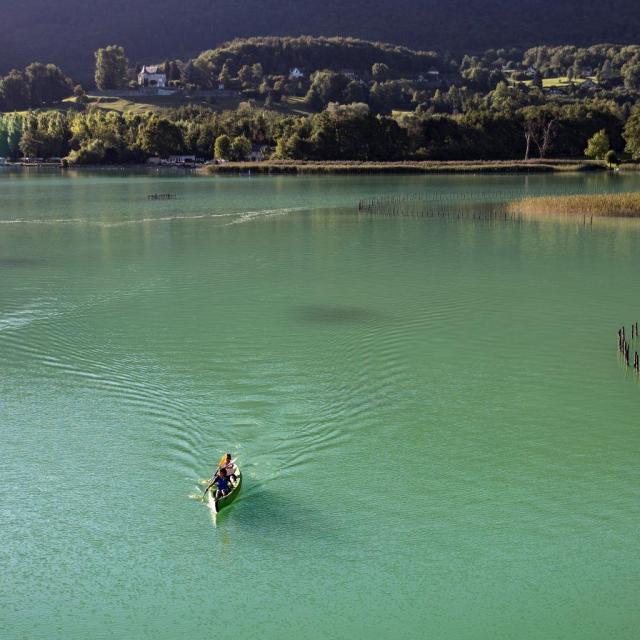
column 278, row 55
column 67, row 32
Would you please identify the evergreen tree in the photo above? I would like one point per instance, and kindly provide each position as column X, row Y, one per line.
column 225, row 74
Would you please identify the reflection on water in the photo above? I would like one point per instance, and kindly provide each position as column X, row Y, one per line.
column 10, row 263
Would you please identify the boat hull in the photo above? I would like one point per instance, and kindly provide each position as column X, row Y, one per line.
column 225, row 501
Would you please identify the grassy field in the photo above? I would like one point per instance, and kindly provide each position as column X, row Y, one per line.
column 302, row 167
column 610, row 205
column 159, row 104
column 560, row 81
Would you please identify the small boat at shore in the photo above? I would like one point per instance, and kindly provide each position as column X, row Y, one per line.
column 218, row 503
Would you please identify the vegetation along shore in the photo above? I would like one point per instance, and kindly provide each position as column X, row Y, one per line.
column 412, row 167
column 293, row 104
column 611, row 205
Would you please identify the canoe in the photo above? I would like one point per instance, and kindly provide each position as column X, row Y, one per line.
column 216, row 505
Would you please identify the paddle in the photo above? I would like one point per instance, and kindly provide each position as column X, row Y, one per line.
column 209, row 487
column 213, row 477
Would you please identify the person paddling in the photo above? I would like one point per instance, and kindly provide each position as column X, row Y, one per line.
column 224, row 478
column 222, row 483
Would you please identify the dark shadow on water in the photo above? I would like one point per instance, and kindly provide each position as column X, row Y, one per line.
column 277, row 516
column 13, row 263
column 334, row 314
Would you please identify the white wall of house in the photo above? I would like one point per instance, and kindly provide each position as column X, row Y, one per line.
column 150, row 77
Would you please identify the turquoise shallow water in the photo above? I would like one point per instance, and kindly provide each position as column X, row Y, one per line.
column 437, row 436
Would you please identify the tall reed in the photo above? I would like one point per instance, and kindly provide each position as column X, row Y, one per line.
column 621, row 205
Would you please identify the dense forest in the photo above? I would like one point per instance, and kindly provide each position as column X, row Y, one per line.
column 278, row 55
column 500, row 130
column 66, row 32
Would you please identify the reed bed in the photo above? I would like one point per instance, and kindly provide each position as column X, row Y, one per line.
column 608, row 205
column 450, row 206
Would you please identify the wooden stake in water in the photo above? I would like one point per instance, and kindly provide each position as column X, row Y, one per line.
column 626, row 353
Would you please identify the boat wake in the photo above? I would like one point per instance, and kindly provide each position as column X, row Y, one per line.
column 249, row 216
column 197, row 494
column 239, row 217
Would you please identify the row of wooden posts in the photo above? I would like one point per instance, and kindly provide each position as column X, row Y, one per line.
column 161, row 196
column 625, row 349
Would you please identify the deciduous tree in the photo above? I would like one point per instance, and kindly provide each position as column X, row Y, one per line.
column 380, row 71
column 632, row 134
column 240, row 148
column 14, row 91
column 160, row 137
column 111, row 67
column 598, row 145
column 222, row 148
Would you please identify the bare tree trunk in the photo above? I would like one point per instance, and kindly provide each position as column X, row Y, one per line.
column 527, row 137
column 547, row 137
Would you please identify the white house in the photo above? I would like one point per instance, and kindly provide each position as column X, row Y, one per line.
column 149, row 76
column 295, row 73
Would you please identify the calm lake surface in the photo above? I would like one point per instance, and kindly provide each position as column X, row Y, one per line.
column 437, row 435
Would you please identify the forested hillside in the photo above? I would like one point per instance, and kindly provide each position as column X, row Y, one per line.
column 67, row 32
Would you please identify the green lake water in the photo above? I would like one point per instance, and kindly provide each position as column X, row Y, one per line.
column 437, row 435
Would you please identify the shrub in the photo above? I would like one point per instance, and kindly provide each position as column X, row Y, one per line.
column 90, row 152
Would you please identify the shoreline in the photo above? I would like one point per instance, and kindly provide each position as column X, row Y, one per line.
column 298, row 167
column 303, row 167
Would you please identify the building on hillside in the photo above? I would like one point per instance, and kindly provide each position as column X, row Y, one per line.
column 349, row 73
column 295, row 73
column 150, row 76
